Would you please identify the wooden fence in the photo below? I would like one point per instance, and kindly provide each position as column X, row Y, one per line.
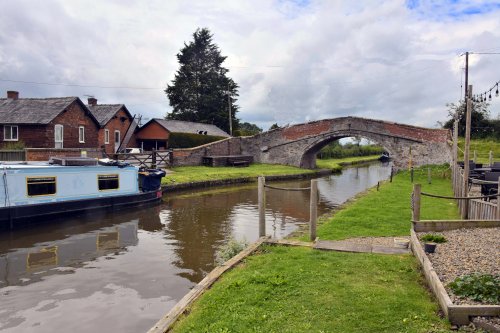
column 472, row 209
column 12, row 155
column 153, row 159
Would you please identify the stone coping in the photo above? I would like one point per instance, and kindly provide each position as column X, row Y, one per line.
column 457, row 314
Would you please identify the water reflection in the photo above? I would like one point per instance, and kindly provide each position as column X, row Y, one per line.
column 89, row 273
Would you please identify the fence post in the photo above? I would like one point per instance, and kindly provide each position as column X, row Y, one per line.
column 411, row 174
column 416, row 202
column 262, row 206
column 429, row 178
column 475, row 157
column 491, row 157
column 153, row 158
column 498, row 200
column 313, row 209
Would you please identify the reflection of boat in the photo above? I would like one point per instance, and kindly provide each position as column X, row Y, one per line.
column 46, row 256
column 32, row 193
column 384, row 157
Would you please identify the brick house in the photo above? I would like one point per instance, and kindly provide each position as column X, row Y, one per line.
column 114, row 122
column 156, row 132
column 61, row 122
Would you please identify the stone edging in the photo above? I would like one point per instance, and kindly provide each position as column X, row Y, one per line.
column 442, row 225
column 457, row 314
column 165, row 323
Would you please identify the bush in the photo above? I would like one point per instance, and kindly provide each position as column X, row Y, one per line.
column 229, row 250
column 433, row 238
column 484, row 288
column 14, row 145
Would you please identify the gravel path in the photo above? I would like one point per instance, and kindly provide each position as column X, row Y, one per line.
column 466, row 251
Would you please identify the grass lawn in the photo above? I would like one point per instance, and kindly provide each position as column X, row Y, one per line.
column 188, row 174
column 336, row 164
column 482, row 148
column 290, row 289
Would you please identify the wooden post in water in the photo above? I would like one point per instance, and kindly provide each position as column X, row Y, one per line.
column 262, row 206
column 491, row 157
column 429, row 178
column 416, row 202
column 313, row 209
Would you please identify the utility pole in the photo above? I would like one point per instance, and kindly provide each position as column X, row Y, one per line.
column 229, row 103
column 466, row 151
column 466, row 75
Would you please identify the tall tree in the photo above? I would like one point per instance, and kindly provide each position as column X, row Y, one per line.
column 481, row 126
column 201, row 90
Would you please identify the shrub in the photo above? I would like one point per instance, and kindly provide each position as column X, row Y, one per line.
column 15, row 145
column 484, row 288
column 433, row 238
column 229, row 250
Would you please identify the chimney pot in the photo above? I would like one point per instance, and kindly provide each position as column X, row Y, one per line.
column 11, row 94
column 92, row 101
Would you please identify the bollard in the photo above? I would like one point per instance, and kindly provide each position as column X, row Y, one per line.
column 313, row 209
column 262, row 206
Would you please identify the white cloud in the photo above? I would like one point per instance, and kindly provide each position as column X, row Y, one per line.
column 294, row 60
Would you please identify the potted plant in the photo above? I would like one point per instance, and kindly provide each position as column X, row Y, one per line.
column 431, row 240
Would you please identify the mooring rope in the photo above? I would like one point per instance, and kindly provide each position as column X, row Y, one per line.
column 459, row 198
column 288, row 188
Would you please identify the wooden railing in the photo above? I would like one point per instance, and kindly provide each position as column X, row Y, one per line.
column 153, row 159
column 12, row 155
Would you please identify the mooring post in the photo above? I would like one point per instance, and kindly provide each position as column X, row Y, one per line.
column 262, row 206
column 392, row 172
column 416, row 202
column 429, row 178
column 313, row 209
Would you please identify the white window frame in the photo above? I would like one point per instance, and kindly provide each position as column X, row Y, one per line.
column 81, row 134
column 5, row 138
column 106, row 136
column 117, row 142
column 61, row 139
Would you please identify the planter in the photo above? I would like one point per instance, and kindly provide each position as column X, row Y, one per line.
column 430, row 247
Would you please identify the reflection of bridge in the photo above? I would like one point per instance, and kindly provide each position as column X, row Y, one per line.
column 298, row 145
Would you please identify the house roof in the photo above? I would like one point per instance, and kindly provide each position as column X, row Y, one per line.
column 179, row 126
column 35, row 110
column 105, row 112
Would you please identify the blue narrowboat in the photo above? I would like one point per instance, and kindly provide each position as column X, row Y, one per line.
column 32, row 193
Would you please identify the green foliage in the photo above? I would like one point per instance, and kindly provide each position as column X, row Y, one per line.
column 201, row 87
column 336, row 150
column 189, row 140
column 229, row 250
column 296, row 289
column 483, row 288
column 14, row 145
column 482, row 148
column 435, row 238
column 274, row 126
column 247, row 129
column 337, row 164
column 481, row 124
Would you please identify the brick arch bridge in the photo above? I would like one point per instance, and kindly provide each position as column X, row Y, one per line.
column 298, row 145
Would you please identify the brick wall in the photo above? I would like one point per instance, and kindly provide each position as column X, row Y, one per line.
column 44, row 154
column 120, row 122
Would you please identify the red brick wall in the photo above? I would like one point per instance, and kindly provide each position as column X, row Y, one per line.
column 71, row 119
column 41, row 154
column 30, row 135
column 153, row 131
column 116, row 124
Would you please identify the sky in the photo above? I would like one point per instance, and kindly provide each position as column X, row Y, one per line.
column 294, row 60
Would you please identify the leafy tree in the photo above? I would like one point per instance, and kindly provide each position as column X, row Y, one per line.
column 274, row 126
column 201, row 87
column 246, row 129
column 481, row 126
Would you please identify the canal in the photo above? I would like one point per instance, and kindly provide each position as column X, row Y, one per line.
column 122, row 272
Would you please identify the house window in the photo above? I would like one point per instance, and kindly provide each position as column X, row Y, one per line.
column 10, row 133
column 117, row 140
column 58, row 136
column 106, row 136
column 41, row 186
column 81, row 134
column 108, row 182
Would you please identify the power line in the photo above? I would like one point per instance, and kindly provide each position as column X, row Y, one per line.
column 79, row 85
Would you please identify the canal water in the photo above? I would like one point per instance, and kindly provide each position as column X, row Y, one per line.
column 122, row 272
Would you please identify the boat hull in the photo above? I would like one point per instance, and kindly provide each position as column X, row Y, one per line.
column 24, row 215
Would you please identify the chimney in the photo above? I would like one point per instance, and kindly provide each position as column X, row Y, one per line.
column 92, row 101
column 11, row 94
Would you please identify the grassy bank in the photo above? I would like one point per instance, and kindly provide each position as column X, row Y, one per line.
column 285, row 289
column 336, row 164
column 387, row 212
column 482, row 148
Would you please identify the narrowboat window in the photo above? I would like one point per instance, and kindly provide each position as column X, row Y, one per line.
column 108, row 182
column 10, row 133
column 41, row 186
